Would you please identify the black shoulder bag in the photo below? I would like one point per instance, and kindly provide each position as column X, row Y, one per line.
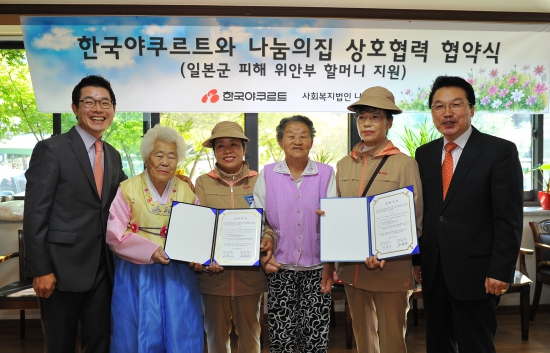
column 374, row 175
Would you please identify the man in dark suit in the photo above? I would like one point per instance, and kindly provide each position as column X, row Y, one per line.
column 71, row 182
column 473, row 217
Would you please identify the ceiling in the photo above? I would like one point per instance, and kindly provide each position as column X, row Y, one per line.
column 10, row 30
column 464, row 5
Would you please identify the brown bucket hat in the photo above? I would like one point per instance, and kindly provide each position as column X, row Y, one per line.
column 225, row 129
column 377, row 97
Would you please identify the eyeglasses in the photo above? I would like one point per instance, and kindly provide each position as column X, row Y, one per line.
column 375, row 118
column 455, row 107
column 90, row 103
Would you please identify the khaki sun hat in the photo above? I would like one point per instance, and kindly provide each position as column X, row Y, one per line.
column 377, row 97
column 225, row 129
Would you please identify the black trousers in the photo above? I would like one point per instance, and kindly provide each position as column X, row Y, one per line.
column 452, row 324
column 63, row 311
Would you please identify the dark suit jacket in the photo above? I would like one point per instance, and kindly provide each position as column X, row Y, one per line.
column 477, row 230
column 64, row 220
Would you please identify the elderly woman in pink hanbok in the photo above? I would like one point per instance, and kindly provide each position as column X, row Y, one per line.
column 156, row 304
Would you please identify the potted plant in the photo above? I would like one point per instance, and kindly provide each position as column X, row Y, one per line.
column 544, row 194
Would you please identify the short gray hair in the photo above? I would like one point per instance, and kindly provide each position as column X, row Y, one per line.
column 166, row 134
column 295, row 119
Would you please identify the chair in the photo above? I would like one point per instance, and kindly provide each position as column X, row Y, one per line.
column 18, row 302
column 339, row 293
column 541, row 236
column 521, row 284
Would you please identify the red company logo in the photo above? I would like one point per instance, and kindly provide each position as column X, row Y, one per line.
column 212, row 95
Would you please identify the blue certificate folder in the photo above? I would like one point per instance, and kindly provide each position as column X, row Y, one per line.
column 383, row 225
column 229, row 237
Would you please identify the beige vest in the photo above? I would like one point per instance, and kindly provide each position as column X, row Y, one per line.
column 149, row 215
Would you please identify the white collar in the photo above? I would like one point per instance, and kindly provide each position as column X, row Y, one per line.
column 282, row 168
column 154, row 193
column 462, row 139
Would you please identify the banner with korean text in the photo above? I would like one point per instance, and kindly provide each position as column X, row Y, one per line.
column 183, row 64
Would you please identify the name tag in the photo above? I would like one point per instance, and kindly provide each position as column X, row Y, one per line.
column 249, row 199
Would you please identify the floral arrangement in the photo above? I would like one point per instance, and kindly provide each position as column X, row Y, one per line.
column 496, row 91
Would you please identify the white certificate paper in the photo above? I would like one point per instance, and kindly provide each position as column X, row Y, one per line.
column 344, row 229
column 384, row 225
column 238, row 237
column 230, row 237
column 392, row 221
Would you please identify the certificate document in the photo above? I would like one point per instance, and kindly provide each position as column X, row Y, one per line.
column 392, row 224
column 229, row 237
column 382, row 225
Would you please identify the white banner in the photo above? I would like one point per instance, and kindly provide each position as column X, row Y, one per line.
column 179, row 64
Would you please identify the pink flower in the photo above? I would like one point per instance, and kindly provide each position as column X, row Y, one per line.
column 512, row 80
column 493, row 73
column 163, row 231
column 482, row 86
column 493, row 90
column 150, row 199
column 503, row 92
column 540, row 88
column 539, row 70
column 485, row 100
column 508, row 104
column 408, row 91
column 134, row 227
column 526, row 84
column 471, row 81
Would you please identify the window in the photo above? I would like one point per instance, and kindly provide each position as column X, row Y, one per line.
column 124, row 135
column 196, row 128
column 329, row 145
column 513, row 127
column 21, row 125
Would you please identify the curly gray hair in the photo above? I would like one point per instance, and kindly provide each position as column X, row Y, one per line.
column 163, row 133
column 295, row 119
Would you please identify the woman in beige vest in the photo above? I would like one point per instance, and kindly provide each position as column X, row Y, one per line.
column 378, row 291
column 230, row 293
